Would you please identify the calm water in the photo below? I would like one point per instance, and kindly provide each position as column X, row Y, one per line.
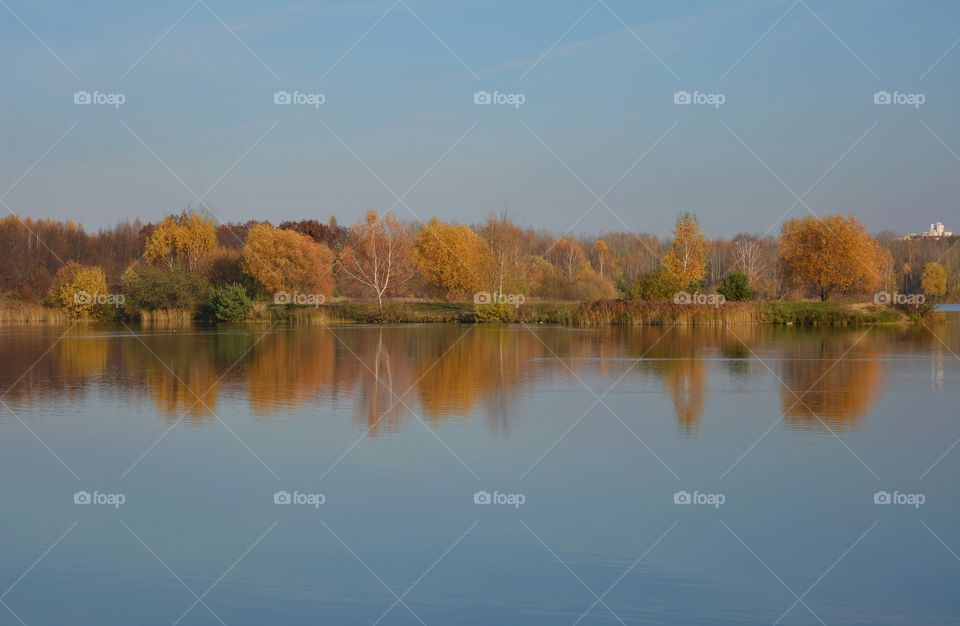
column 382, row 436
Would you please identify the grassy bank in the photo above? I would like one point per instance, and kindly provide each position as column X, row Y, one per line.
column 626, row 313
column 602, row 312
column 829, row 314
column 661, row 313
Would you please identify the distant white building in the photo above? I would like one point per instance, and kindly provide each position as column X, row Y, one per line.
column 937, row 231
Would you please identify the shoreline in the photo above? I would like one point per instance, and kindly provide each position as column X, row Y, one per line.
column 561, row 313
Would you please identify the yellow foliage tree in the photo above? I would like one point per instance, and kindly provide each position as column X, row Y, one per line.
column 687, row 259
column 184, row 239
column 77, row 289
column 285, row 260
column 452, row 257
column 835, row 254
column 933, row 282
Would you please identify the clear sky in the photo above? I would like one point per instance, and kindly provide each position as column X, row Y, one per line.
column 795, row 83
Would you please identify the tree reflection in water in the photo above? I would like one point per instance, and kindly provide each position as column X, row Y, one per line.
column 451, row 372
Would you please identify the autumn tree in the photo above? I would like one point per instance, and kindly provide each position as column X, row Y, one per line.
column 285, row 260
column 687, row 258
column 378, row 256
column 933, row 282
column 603, row 261
column 452, row 257
column 635, row 254
column 748, row 256
column 185, row 239
column 569, row 275
column 569, row 257
column 330, row 234
column 77, row 289
column 508, row 253
column 835, row 254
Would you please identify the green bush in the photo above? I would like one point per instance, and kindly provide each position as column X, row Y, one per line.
column 229, row 303
column 149, row 288
column 736, row 287
column 658, row 284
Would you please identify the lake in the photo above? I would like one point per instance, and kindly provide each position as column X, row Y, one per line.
column 479, row 475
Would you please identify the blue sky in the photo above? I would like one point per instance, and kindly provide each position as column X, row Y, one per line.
column 398, row 79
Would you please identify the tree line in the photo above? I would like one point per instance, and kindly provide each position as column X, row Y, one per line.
column 189, row 262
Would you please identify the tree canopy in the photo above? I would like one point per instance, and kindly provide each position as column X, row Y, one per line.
column 834, row 254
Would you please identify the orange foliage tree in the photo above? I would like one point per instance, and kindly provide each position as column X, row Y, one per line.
column 452, row 257
column 285, row 260
column 835, row 254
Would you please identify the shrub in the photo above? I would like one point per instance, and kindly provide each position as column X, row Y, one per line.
column 149, row 288
column 394, row 313
column 229, row 303
column 76, row 289
column 658, row 284
column 736, row 287
column 495, row 312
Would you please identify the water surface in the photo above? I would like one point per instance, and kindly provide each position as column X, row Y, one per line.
column 586, row 436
